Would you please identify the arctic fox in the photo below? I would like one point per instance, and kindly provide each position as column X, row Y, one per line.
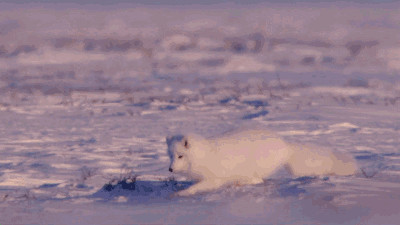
column 246, row 157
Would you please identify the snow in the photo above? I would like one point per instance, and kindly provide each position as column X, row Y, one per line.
column 85, row 110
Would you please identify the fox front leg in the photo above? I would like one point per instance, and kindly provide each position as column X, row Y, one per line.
column 202, row 186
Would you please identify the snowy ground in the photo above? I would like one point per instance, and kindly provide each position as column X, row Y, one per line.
column 87, row 97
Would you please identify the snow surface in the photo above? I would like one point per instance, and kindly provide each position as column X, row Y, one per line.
column 88, row 95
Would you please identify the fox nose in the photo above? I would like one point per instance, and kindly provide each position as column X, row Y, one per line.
column 170, row 169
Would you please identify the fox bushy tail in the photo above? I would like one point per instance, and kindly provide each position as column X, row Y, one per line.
column 308, row 160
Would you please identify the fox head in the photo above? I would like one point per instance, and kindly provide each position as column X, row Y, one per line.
column 178, row 147
column 185, row 152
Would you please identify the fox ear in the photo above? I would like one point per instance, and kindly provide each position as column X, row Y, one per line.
column 186, row 142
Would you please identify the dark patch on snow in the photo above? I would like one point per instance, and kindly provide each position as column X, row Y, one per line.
column 119, row 114
column 355, row 47
column 369, row 156
column 140, row 104
column 313, row 43
column 22, row 49
column 83, row 142
column 236, row 45
column 18, row 50
column 39, row 166
column 358, row 82
column 5, row 165
column 305, row 179
column 308, row 61
column 164, row 77
column 167, row 107
column 328, row 60
column 227, row 100
column 354, row 130
column 82, row 186
column 391, row 154
column 48, row 185
column 37, row 154
column 212, row 62
column 111, row 45
column 256, row 103
column 313, row 118
column 123, row 184
column 255, row 115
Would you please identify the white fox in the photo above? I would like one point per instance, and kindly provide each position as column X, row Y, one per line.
column 246, row 157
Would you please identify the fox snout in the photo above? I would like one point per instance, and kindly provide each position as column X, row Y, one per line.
column 171, row 170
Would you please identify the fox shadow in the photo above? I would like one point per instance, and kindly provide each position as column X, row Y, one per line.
column 293, row 187
column 145, row 191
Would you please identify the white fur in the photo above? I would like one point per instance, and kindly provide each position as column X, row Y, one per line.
column 246, row 157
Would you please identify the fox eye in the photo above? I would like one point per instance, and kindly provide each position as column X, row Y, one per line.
column 179, row 157
column 186, row 144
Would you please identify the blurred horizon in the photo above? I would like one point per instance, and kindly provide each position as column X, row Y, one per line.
column 75, row 46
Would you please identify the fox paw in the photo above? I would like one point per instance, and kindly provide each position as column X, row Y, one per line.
column 183, row 193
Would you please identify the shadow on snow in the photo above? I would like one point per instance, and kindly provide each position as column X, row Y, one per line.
column 137, row 190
